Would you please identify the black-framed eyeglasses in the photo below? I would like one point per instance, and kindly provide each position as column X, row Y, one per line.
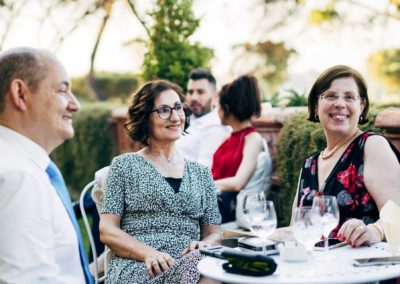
column 165, row 112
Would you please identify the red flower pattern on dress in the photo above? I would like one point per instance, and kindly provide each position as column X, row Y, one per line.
column 313, row 167
column 365, row 198
column 347, row 151
column 351, row 178
column 304, row 192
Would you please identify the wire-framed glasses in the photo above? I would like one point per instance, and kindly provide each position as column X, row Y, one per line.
column 333, row 97
column 165, row 112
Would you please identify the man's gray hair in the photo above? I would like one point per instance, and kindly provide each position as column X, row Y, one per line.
column 23, row 63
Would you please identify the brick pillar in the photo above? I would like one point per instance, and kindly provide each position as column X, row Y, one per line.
column 389, row 120
column 123, row 143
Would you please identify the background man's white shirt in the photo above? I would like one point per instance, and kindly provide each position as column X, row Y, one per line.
column 38, row 243
column 206, row 134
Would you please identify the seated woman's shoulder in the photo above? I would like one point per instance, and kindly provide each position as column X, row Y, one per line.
column 127, row 157
column 376, row 141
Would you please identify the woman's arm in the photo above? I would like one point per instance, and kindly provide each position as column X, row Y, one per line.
column 382, row 180
column 252, row 147
column 124, row 245
column 210, row 235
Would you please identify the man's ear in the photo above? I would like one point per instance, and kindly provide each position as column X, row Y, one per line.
column 19, row 93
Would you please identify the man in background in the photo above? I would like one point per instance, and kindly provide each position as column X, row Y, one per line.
column 39, row 240
column 206, row 132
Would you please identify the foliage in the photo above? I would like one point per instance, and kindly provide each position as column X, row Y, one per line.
column 274, row 99
column 328, row 13
column 112, row 85
column 272, row 61
column 296, row 99
column 384, row 65
column 90, row 149
column 170, row 54
column 299, row 139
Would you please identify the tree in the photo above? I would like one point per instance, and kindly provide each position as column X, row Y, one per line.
column 170, row 54
column 384, row 65
column 270, row 62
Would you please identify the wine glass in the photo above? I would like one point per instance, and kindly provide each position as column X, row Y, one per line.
column 262, row 218
column 307, row 226
column 329, row 211
column 251, row 199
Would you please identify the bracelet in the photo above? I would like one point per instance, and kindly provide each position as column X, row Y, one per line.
column 130, row 250
column 379, row 229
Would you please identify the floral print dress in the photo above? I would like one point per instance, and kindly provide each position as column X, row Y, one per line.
column 154, row 214
column 346, row 182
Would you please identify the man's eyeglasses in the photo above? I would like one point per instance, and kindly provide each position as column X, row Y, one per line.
column 333, row 97
column 165, row 112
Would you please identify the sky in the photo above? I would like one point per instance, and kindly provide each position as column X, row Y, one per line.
column 224, row 23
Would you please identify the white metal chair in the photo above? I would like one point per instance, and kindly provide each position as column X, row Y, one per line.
column 97, row 188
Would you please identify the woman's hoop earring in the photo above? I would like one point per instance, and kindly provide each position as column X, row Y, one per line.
column 361, row 118
column 316, row 117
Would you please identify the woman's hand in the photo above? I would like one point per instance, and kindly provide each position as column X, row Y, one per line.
column 356, row 233
column 195, row 245
column 158, row 262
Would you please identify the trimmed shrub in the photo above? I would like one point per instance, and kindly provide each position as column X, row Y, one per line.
column 111, row 85
column 299, row 139
column 91, row 148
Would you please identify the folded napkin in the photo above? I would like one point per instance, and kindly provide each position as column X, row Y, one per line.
column 389, row 216
column 280, row 235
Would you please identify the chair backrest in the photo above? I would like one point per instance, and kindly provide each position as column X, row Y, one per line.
column 261, row 180
column 97, row 192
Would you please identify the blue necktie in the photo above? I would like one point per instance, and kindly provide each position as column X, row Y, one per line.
column 57, row 181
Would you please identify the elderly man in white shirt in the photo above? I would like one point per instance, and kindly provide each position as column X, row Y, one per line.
column 206, row 132
column 39, row 241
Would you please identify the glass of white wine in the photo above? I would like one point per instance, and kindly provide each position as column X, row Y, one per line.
column 329, row 210
column 307, row 228
column 262, row 218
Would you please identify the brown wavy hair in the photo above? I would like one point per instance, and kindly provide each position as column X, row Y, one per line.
column 141, row 105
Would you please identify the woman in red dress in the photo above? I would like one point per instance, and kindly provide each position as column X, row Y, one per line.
column 235, row 160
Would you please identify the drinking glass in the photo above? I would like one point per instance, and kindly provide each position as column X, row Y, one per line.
column 329, row 210
column 261, row 216
column 250, row 200
column 307, row 226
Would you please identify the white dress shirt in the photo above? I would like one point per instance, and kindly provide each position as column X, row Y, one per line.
column 206, row 134
column 38, row 243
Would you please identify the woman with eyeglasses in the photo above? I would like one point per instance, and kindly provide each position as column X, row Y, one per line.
column 360, row 168
column 159, row 208
column 236, row 159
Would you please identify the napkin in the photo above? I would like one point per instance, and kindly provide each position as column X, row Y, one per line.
column 389, row 217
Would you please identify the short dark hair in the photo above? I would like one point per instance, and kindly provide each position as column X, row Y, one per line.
column 325, row 80
column 141, row 105
column 241, row 98
column 198, row 74
column 26, row 64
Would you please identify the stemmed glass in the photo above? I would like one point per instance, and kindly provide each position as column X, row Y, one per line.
column 261, row 216
column 329, row 210
column 307, row 227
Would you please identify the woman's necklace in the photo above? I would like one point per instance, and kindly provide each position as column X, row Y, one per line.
column 338, row 145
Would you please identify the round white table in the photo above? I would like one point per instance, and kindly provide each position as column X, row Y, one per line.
column 337, row 270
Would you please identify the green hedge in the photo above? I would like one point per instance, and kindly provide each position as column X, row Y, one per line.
column 299, row 139
column 90, row 149
column 111, row 85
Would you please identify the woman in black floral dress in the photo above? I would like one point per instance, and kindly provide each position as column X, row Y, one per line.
column 361, row 169
column 158, row 207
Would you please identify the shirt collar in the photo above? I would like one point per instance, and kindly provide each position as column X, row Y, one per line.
column 25, row 147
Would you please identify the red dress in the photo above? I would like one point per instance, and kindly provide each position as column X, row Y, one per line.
column 226, row 162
